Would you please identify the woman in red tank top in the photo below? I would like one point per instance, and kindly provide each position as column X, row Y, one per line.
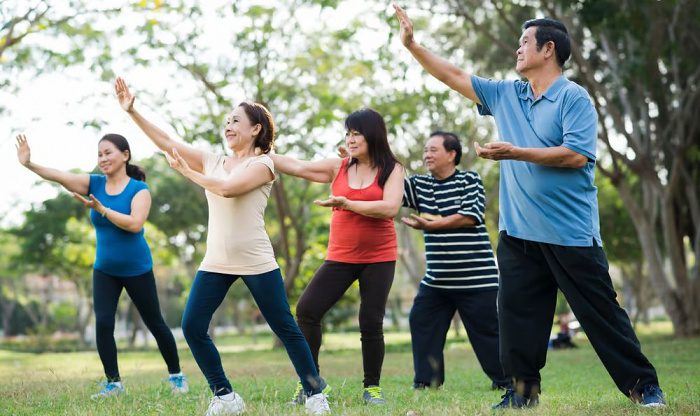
column 367, row 188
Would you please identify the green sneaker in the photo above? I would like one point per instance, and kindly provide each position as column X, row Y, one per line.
column 373, row 395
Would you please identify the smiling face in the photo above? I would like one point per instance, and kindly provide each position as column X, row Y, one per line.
column 527, row 55
column 356, row 144
column 239, row 132
column 109, row 158
column 435, row 157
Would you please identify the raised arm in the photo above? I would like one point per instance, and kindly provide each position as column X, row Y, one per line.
column 451, row 75
column 194, row 157
column 388, row 207
column 322, row 171
column 74, row 182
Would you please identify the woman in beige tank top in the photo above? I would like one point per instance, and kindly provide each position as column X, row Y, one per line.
column 237, row 188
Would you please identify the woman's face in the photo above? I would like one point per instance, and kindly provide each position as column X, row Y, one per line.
column 239, row 132
column 356, row 144
column 109, row 158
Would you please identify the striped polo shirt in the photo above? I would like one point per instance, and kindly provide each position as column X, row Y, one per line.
column 460, row 258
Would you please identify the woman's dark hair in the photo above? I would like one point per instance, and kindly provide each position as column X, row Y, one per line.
column 554, row 31
column 120, row 143
column 371, row 125
column 258, row 114
column 450, row 142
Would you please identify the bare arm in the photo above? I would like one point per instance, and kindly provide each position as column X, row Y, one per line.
column 449, row 74
column 445, row 223
column 388, row 207
column 74, row 182
column 322, row 171
column 133, row 223
column 194, row 157
column 254, row 176
column 557, row 157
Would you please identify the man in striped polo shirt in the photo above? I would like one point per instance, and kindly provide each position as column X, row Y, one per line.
column 461, row 273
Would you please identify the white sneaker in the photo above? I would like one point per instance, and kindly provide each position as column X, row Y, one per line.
column 317, row 405
column 230, row 404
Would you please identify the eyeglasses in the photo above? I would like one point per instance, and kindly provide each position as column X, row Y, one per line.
column 353, row 133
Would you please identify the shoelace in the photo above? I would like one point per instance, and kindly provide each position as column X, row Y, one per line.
column 374, row 392
column 651, row 390
column 508, row 396
column 297, row 391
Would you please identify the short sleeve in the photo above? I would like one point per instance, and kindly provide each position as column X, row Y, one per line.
column 488, row 93
column 410, row 199
column 210, row 160
column 96, row 183
column 267, row 161
column 580, row 127
column 473, row 201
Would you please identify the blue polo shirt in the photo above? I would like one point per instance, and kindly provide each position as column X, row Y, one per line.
column 540, row 203
column 119, row 252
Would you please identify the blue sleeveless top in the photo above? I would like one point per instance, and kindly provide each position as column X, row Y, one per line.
column 119, row 252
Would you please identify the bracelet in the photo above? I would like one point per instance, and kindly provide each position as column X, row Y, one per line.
column 105, row 212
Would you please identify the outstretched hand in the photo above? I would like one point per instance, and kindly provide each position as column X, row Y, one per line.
column 23, row 151
column 177, row 162
column 496, row 150
column 333, row 202
column 406, row 27
column 126, row 99
column 416, row 221
column 92, row 202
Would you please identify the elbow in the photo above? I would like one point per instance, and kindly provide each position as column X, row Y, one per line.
column 390, row 212
column 228, row 192
column 578, row 161
column 135, row 228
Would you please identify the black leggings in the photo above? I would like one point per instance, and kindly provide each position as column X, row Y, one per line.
column 328, row 285
column 106, row 290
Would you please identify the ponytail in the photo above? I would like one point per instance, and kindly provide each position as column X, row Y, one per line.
column 136, row 172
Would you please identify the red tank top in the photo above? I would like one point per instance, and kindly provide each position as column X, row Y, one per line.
column 355, row 238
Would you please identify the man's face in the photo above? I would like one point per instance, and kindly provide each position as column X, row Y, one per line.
column 435, row 157
column 527, row 55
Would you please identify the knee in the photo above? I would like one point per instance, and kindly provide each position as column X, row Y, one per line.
column 192, row 329
column 104, row 323
column 306, row 313
column 371, row 327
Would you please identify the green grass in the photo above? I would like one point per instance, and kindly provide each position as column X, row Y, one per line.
column 574, row 381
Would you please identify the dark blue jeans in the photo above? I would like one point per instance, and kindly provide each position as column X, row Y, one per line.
column 207, row 293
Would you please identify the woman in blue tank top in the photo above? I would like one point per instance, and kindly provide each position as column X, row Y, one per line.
column 120, row 201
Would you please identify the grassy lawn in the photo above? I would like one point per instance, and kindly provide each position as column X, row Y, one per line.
column 574, row 381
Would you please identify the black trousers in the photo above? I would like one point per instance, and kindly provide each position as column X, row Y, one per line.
column 142, row 291
column 530, row 274
column 430, row 320
column 326, row 288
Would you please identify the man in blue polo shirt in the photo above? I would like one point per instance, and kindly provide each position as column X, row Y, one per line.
column 549, row 230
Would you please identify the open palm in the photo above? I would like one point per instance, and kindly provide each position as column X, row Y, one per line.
column 126, row 99
column 23, row 151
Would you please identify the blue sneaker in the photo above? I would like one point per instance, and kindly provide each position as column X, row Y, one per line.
column 178, row 384
column 512, row 400
column 652, row 396
column 109, row 389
